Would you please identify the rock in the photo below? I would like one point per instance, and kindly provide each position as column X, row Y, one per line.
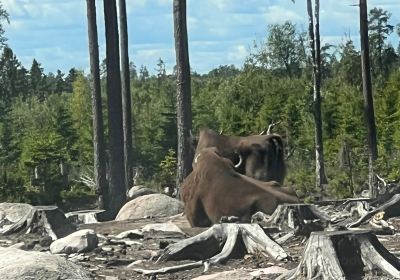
column 227, row 275
column 24, row 265
column 84, row 240
column 84, row 216
column 151, row 205
column 163, row 227
column 268, row 271
column 243, row 274
column 137, row 191
column 44, row 220
column 131, row 234
column 19, row 245
column 45, row 241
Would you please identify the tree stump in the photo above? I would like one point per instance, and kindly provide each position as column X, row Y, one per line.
column 300, row 218
column 218, row 244
column 46, row 220
column 344, row 255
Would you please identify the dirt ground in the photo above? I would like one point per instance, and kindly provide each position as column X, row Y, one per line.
column 115, row 261
column 111, row 259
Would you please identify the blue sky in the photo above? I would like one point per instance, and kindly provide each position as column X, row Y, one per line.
column 220, row 32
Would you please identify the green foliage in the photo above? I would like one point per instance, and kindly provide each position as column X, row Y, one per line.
column 379, row 30
column 80, row 112
column 46, row 119
column 154, row 120
column 3, row 17
column 167, row 175
column 42, row 154
column 284, row 49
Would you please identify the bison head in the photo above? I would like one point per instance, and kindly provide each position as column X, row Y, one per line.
column 257, row 156
column 262, row 157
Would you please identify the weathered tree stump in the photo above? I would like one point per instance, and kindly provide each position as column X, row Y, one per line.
column 389, row 209
column 344, row 255
column 46, row 220
column 218, row 244
column 300, row 218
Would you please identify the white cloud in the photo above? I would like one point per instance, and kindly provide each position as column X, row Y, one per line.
column 14, row 8
column 238, row 54
column 55, row 32
column 279, row 14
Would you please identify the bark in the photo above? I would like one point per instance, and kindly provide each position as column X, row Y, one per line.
column 300, row 218
column 99, row 158
column 126, row 94
column 117, row 188
column 313, row 31
column 368, row 99
column 344, row 255
column 183, row 95
column 321, row 177
column 217, row 244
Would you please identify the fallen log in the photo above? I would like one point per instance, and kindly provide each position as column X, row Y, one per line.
column 389, row 209
column 217, row 245
column 344, row 255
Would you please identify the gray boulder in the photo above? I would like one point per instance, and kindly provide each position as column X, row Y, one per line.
column 151, row 205
column 137, row 191
column 23, row 265
column 84, row 240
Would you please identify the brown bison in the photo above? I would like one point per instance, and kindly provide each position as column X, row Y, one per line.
column 214, row 190
column 257, row 156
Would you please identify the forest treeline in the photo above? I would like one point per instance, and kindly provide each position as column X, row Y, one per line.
column 46, row 152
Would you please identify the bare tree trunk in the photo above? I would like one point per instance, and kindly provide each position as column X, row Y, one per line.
column 183, row 95
column 117, row 188
column 98, row 127
column 126, row 93
column 368, row 99
column 313, row 31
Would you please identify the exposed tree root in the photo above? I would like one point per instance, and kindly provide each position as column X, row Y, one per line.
column 217, row 245
column 344, row 255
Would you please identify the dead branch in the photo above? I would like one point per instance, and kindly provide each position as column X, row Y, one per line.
column 390, row 209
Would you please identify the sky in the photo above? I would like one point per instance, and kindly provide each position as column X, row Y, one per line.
column 221, row 32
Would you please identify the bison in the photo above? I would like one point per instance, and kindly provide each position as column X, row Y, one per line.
column 257, row 156
column 215, row 189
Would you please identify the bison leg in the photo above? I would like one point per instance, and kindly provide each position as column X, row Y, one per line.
column 196, row 215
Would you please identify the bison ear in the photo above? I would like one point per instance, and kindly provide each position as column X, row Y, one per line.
column 193, row 140
column 277, row 143
column 244, row 147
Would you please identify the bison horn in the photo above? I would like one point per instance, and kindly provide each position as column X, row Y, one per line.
column 240, row 162
column 195, row 159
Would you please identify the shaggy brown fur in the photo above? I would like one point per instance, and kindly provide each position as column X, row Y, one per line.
column 263, row 155
column 214, row 189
